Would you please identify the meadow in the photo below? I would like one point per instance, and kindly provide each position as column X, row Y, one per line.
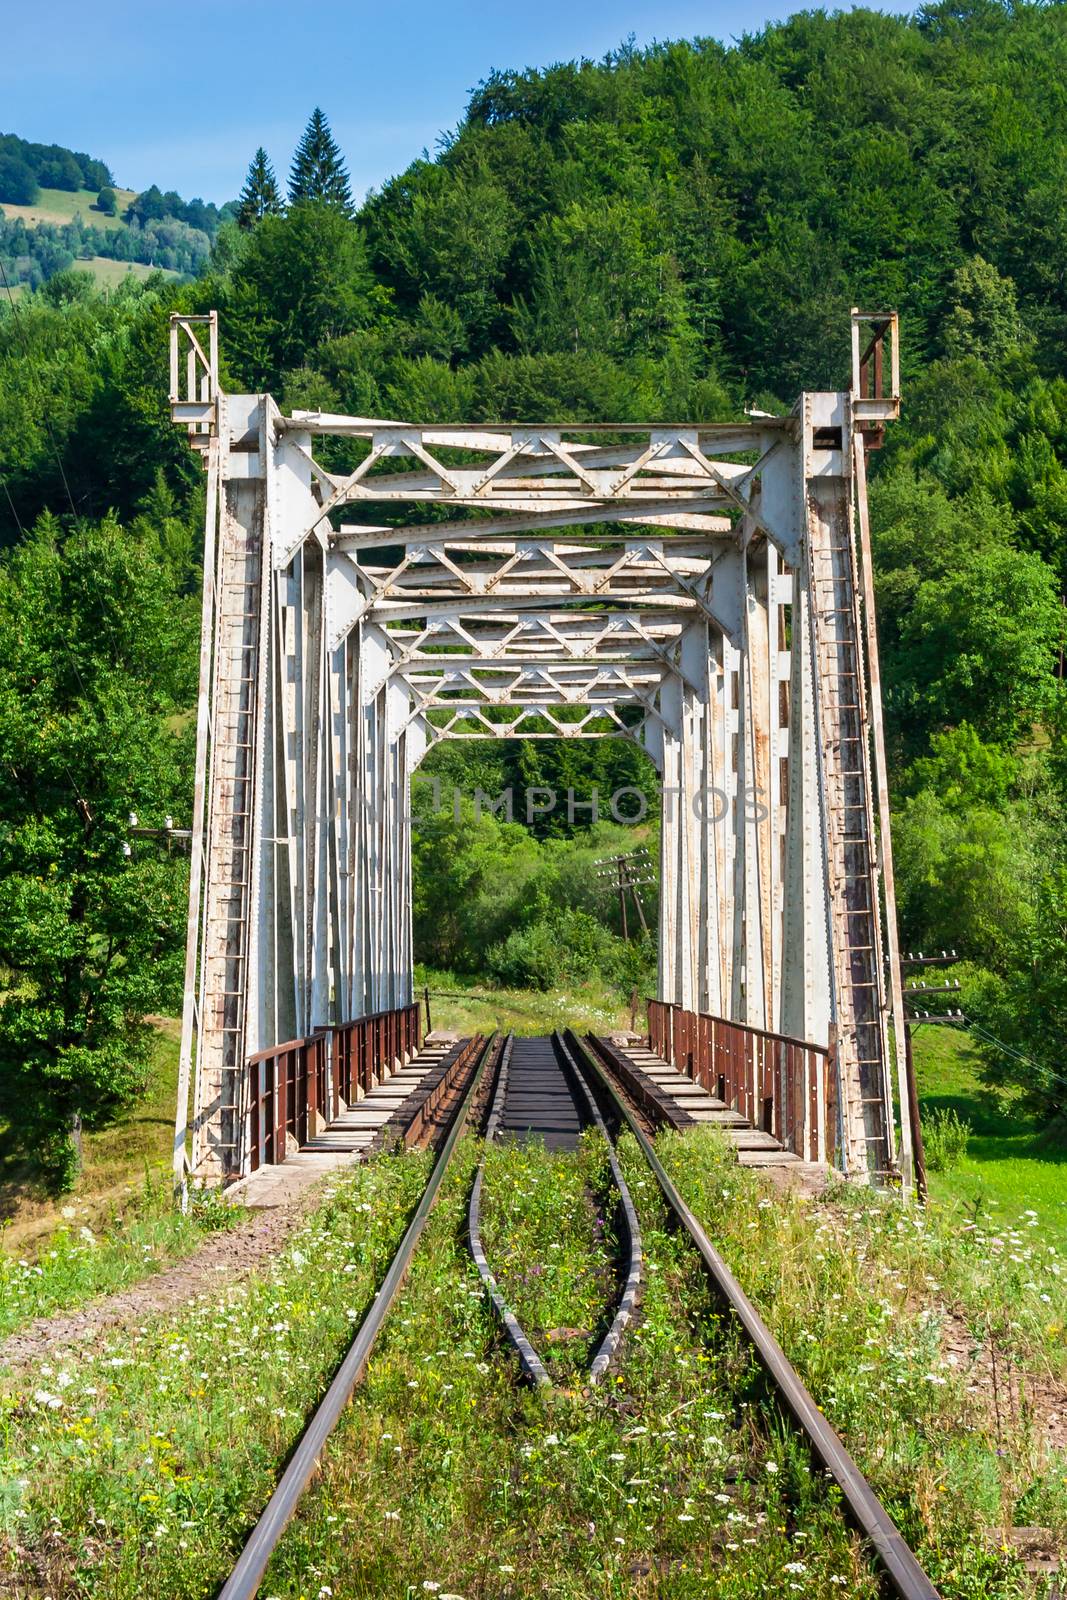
column 1011, row 1166
column 59, row 206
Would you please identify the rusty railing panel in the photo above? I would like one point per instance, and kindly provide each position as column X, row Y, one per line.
column 783, row 1086
column 295, row 1083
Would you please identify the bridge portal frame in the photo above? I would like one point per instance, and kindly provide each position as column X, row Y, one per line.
column 710, row 598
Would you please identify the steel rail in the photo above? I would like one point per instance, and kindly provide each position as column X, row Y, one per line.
column 533, row 1368
column 247, row 1574
column 611, row 1340
column 906, row 1576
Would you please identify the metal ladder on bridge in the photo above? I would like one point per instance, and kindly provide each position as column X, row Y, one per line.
column 850, row 822
column 225, row 931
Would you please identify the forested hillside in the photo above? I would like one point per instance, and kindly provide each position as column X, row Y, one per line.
column 669, row 233
column 59, row 206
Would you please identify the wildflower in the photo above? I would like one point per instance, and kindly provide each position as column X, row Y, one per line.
column 429, row 1585
column 771, row 1467
column 794, row 1566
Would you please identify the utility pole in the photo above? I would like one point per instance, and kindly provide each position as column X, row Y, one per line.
column 628, row 871
column 945, row 959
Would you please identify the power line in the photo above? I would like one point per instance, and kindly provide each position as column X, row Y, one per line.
column 1030, row 1062
column 14, row 512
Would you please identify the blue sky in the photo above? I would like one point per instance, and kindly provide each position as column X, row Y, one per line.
column 139, row 86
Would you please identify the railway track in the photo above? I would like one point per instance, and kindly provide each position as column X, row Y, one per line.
column 540, row 1092
column 550, row 1090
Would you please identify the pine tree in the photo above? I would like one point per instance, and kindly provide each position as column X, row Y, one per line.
column 259, row 198
column 318, row 173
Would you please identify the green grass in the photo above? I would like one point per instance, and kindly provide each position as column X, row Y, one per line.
column 467, row 1006
column 75, row 1264
column 139, row 1468
column 62, row 205
column 120, row 1160
column 672, row 1479
column 862, row 1291
column 118, row 1226
column 549, row 1245
column 1012, row 1168
column 109, row 274
column 134, row 1467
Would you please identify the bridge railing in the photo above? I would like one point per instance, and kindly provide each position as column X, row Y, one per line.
column 294, row 1086
column 784, row 1086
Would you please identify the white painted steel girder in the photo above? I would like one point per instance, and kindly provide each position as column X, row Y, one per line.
column 707, row 607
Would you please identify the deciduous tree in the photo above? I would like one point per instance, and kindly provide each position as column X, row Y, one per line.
column 95, row 652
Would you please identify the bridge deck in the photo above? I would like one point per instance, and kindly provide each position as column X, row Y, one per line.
column 538, row 1103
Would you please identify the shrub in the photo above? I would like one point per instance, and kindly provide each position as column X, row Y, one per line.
column 527, row 959
column 566, row 946
column 945, row 1138
column 107, row 201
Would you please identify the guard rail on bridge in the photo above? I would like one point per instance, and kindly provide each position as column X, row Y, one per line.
column 784, row 1086
column 294, row 1086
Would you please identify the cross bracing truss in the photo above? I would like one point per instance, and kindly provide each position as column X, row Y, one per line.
column 697, row 589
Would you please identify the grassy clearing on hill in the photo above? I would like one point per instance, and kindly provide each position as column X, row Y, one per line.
column 63, row 205
column 109, row 274
column 1011, row 1165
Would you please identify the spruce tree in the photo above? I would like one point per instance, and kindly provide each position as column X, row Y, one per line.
column 318, row 173
column 259, row 198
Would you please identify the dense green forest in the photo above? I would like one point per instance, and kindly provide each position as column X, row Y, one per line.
column 672, row 232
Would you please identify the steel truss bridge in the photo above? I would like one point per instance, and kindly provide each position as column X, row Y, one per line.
column 702, row 589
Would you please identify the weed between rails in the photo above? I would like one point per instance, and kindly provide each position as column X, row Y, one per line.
column 549, row 1239
column 446, row 1477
